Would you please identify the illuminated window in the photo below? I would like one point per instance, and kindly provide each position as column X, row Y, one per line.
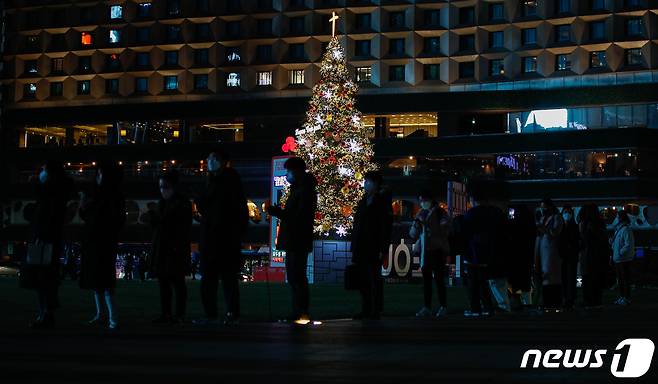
column 363, row 74
column 296, row 77
column 113, row 62
column 116, row 12
column 84, row 87
column 30, row 90
column 233, row 54
column 85, row 38
column 265, row 78
column 144, row 9
column 598, row 59
column 30, row 66
column 530, row 64
column 171, row 83
column 115, row 36
column 563, row 63
column 233, row 79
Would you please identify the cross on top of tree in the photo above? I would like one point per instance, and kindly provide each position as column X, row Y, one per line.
column 334, row 18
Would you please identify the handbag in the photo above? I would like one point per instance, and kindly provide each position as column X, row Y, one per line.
column 352, row 278
column 40, row 253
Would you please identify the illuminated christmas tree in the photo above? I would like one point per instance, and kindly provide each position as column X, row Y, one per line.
column 334, row 143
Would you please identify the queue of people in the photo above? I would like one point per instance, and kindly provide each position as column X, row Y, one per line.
column 505, row 256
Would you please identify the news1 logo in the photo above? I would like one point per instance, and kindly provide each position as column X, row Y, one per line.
column 631, row 358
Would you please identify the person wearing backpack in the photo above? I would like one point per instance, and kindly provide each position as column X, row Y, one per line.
column 431, row 229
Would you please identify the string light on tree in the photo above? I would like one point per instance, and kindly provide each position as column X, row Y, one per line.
column 334, row 142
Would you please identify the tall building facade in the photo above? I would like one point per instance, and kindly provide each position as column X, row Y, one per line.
column 556, row 97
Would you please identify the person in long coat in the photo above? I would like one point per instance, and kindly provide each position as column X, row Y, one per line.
column 224, row 219
column 371, row 237
column 569, row 250
column 170, row 256
column 295, row 235
column 53, row 191
column 522, row 235
column 547, row 256
column 104, row 214
column 595, row 254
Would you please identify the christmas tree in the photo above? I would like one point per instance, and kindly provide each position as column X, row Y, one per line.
column 334, row 143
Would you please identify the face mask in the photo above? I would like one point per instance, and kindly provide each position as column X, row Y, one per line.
column 567, row 216
column 213, row 164
column 43, row 176
column 426, row 205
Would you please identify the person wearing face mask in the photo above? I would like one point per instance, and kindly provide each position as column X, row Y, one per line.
column 295, row 235
column 170, row 256
column 53, row 191
column 104, row 214
column 547, row 254
column 224, row 219
column 623, row 252
column 569, row 249
column 371, row 237
column 431, row 227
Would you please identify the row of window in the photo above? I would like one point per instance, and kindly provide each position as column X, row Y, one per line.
column 295, row 51
column 170, row 83
column 432, row 45
column 633, row 57
column 396, row 19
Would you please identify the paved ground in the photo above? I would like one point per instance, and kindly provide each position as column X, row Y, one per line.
column 397, row 349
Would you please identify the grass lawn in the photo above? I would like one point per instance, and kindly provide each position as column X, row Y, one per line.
column 139, row 302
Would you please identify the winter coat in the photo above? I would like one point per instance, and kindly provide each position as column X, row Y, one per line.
column 434, row 231
column 298, row 216
column 371, row 234
column 595, row 249
column 623, row 244
column 48, row 227
column 484, row 230
column 522, row 235
column 104, row 216
column 547, row 250
column 224, row 219
column 172, row 223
